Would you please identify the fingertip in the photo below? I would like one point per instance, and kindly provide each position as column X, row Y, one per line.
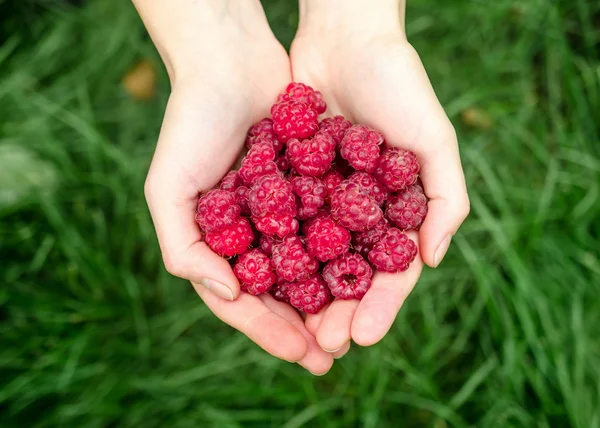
column 334, row 330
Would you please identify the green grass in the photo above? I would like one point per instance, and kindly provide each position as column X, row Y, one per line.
column 506, row 333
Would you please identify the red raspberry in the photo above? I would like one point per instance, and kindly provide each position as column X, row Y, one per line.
column 255, row 271
column 325, row 239
column 353, row 208
column 331, row 179
column 231, row 181
column 263, row 131
column 294, row 119
column 335, row 127
column 272, row 194
column 408, row 209
column 291, row 260
column 282, row 162
column 312, row 156
column 363, row 242
column 216, row 210
column 394, row 252
column 301, row 92
column 374, row 188
column 266, row 243
column 397, row 168
column 241, row 198
column 276, row 224
column 312, row 193
column 231, row 240
column 348, row 277
column 280, row 291
column 360, row 147
column 309, row 295
column 258, row 162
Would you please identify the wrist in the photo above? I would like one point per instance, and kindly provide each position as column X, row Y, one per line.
column 345, row 18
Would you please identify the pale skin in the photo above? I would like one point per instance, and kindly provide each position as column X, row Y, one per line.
column 226, row 69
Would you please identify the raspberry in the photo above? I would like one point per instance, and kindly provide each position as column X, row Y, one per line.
column 370, row 185
column 280, row 291
column 231, row 181
column 363, row 242
column 282, row 162
column 258, row 162
column 266, row 243
column 309, row 295
column 325, row 239
column 331, row 179
column 353, row 208
column 241, row 198
column 294, row 119
column 263, row 131
column 394, row 252
column 397, row 168
column 216, row 210
column 311, row 156
column 311, row 193
column 291, row 260
column 335, row 127
column 348, row 277
column 276, row 224
column 301, row 92
column 360, row 147
column 272, row 194
column 231, row 240
column 408, row 209
column 255, row 271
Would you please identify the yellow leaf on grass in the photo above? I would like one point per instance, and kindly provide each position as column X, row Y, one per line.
column 140, row 81
column 476, row 118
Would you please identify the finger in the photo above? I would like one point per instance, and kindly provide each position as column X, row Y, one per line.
column 342, row 351
column 378, row 308
column 313, row 321
column 334, row 330
column 251, row 316
column 316, row 361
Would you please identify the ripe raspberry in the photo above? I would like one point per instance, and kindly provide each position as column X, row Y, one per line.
column 360, row 147
column 231, row 181
column 231, row 240
column 294, row 119
column 363, row 242
column 348, row 277
column 325, row 239
column 353, row 208
column 276, row 224
column 241, row 198
column 311, row 193
column 282, row 162
column 312, row 156
column 281, row 289
column 216, row 210
column 301, row 92
column 394, row 252
column 291, row 260
column 309, row 295
column 331, row 179
column 263, row 131
column 397, row 168
column 258, row 162
column 408, row 209
column 255, row 271
column 266, row 243
column 370, row 185
column 336, row 127
column 272, row 194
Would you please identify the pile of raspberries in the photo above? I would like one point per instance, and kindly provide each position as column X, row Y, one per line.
column 315, row 206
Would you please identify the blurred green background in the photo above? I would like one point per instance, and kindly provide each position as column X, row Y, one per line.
column 95, row 333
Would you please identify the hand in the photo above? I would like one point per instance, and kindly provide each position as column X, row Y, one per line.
column 358, row 56
column 226, row 72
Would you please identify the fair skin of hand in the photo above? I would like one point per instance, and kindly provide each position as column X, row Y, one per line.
column 226, row 69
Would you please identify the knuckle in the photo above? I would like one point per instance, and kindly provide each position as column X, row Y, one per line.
column 174, row 266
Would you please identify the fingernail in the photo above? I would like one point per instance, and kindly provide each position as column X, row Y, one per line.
column 316, row 374
column 217, row 288
column 441, row 251
column 332, row 350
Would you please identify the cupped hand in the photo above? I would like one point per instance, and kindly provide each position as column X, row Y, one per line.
column 373, row 76
column 227, row 85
